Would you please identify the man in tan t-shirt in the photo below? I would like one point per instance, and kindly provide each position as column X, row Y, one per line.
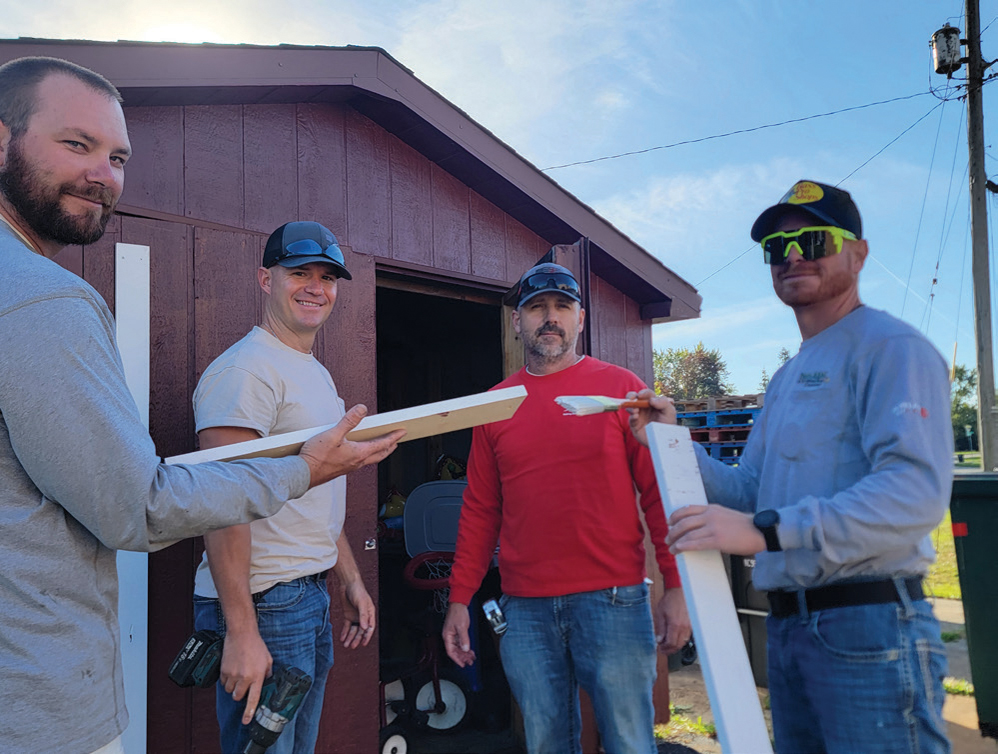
column 263, row 585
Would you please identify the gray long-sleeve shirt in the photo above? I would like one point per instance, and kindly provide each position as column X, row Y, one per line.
column 854, row 446
column 79, row 479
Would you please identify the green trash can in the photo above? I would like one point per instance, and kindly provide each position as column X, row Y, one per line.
column 974, row 510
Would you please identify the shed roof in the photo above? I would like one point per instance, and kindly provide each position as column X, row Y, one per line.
column 370, row 80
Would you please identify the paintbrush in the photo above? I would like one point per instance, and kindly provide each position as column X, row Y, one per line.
column 586, row 405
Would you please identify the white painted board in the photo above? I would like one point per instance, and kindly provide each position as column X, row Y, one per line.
column 418, row 421
column 131, row 309
column 741, row 727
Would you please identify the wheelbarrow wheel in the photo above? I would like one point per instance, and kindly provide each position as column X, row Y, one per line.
column 454, row 695
column 394, row 741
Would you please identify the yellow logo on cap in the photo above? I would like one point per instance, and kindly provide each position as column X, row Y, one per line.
column 805, row 192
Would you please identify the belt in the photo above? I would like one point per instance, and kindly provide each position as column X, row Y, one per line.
column 316, row 577
column 783, row 604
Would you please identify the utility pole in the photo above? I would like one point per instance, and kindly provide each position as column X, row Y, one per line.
column 946, row 53
column 987, row 435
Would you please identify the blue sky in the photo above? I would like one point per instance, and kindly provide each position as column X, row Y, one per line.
column 564, row 81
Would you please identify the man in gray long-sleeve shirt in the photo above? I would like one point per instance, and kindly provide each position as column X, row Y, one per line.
column 844, row 476
column 79, row 475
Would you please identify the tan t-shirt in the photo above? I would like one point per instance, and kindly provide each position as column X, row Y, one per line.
column 262, row 384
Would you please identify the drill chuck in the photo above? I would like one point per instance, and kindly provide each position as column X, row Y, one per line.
column 279, row 701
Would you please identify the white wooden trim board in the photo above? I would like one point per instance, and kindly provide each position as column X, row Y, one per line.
column 131, row 316
column 418, row 421
column 741, row 728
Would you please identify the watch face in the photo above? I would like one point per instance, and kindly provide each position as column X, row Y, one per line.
column 766, row 518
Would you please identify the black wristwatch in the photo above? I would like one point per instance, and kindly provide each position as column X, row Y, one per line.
column 766, row 521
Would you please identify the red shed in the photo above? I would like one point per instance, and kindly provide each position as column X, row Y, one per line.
column 438, row 219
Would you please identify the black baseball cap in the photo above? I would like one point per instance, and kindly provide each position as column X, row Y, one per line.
column 298, row 243
column 547, row 277
column 829, row 205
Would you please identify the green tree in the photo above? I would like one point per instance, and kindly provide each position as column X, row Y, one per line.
column 783, row 356
column 690, row 373
column 964, row 407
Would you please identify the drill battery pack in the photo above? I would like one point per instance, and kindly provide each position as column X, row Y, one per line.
column 198, row 663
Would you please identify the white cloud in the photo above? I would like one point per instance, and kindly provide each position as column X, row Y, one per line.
column 531, row 72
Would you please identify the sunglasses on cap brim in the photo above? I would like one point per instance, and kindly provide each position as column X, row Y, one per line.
column 811, row 242
column 550, row 282
column 309, row 248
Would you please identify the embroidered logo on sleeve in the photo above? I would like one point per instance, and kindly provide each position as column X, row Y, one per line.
column 812, row 379
column 906, row 408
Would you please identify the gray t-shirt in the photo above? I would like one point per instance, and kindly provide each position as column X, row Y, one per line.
column 80, row 478
column 854, row 446
column 259, row 383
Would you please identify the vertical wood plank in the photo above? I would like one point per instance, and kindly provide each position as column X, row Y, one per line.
column 451, row 222
column 154, row 176
column 171, row 425
column 593, row 317
column 638, row 342
column 368, row 207
column 523, row 248
column 226, row 298
column 322, row 171
column 171, row 417
column 609, row 321
column 213, row 163
column 350, row 711
column 488, row 240
column 98, row 262
column 270, row 171
column 726, row 670
column 412, row 217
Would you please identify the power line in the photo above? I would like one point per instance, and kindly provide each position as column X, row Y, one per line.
column 940, row 104
column 733, row 133
column 753, row 246
column 921, row 212
column 944, row 233
column 889, row 144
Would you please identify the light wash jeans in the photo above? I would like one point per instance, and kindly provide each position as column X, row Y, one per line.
column 866, row 678
column 602, row 641
column 294, row 623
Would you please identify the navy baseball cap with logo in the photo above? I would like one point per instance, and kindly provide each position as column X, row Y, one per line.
column 548, row 278
column 827, row 204
column 298, row 243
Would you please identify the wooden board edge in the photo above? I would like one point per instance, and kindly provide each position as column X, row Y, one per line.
column 419, row 421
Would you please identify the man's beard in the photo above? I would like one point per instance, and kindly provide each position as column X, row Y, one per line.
column 549, row 352
column 39, row 205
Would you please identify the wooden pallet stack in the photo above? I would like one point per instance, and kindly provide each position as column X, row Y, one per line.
column 721, row 423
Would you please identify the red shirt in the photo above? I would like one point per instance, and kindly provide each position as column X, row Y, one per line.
column 558, row 493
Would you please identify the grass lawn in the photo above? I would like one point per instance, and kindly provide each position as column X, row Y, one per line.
column 943, row 580
column 970, row 460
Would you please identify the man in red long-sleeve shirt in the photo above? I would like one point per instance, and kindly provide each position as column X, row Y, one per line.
column 558, row 493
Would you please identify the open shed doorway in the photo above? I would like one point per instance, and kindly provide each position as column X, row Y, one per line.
column 430, row 348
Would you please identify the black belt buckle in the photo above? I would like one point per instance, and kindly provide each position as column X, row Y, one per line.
column 783, row 604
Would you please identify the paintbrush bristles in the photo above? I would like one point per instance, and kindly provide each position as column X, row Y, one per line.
column 586, row 405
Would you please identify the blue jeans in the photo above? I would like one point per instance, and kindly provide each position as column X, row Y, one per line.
column 866, row 678
column 294, row 624
column 602, row 641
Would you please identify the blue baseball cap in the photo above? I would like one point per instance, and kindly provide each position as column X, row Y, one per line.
column 298, row 243
column 827, row 204
column 548, row 278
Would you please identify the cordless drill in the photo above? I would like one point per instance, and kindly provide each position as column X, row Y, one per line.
column 279, row 700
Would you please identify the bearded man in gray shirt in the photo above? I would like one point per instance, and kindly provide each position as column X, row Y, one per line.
column 844, row 477
column 79, row 475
